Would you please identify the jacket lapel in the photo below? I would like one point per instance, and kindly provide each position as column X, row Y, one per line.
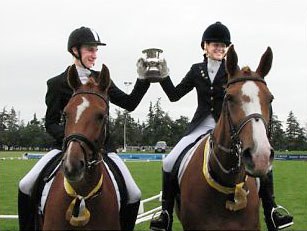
column 220, row 75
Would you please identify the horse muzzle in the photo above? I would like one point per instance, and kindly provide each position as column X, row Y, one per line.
column 74, row 164
column 257, row 164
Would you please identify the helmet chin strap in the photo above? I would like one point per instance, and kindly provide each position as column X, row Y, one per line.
column 80, row 58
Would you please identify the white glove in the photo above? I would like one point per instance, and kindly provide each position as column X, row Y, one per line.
column 164, row 71
column 141, row 68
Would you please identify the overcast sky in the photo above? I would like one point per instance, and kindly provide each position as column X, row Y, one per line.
column 34, row 38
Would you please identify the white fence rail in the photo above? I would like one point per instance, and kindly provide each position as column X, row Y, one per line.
column 148, row 215
column 8, row 216
column 142, row 215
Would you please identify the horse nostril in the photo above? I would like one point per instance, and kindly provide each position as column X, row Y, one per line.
column 247, row 157
column 272, row 154
column 65, row 169
column 82, row 164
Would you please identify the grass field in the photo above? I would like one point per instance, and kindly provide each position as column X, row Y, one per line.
column 290, row 186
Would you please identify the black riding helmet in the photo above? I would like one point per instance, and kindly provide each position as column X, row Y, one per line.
column 83, row 36
column 216, row 32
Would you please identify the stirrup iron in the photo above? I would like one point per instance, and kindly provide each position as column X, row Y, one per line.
column 284, row 210
column 157, row 217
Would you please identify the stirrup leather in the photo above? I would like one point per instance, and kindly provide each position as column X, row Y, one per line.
column 284, row 210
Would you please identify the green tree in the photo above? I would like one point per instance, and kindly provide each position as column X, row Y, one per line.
column 278, row 137
column 295, row 135
column 11, row 135
column 178, row 128
column 3, row 127
column 158, row 125
column 116, row 129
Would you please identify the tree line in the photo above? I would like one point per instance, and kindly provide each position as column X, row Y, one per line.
column 158, row 126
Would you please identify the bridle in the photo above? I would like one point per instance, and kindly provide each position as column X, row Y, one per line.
column 95, row 146
column 235, row 148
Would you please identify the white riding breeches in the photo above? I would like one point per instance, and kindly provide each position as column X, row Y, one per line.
column 27, row 182
column 206, row 125
column 134, row 193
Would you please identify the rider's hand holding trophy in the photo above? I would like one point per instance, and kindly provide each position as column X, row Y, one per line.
column 152, row 67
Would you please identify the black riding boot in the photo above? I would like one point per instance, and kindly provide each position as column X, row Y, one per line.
column 128, row 216
column 276, row 217
column 165, row 220
column 25, row 212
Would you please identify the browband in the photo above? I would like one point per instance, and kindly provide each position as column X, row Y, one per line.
column 242, row 79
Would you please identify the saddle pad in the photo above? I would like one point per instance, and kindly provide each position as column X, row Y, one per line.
column 47, row 187
column 186, row 159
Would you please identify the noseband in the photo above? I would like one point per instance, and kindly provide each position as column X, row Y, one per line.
column 95, row 146
column 236, row 144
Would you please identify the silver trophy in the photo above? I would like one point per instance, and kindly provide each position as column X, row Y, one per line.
column 152, row 60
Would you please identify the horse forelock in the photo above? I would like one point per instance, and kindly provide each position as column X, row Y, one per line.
column 246, row 71
column 91, row 83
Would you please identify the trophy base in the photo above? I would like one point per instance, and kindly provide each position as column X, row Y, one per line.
column 153, row 76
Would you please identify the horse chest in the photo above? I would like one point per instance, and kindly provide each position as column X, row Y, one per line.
column 103, row 208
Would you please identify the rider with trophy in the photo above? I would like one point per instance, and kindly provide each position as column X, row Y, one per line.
column 82, row 44
column 209, row 78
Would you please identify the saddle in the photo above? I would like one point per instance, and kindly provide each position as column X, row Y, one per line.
column 178, row 162
column 177, row 168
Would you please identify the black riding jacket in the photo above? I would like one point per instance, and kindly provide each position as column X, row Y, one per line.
column 209, row 95
column 59, row 93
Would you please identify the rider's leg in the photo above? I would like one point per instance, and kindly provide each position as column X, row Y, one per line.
column 128, row 212
column 25, row 212
column 128, row 216
column 274, row 219
column 25, row 208
column 164, row 221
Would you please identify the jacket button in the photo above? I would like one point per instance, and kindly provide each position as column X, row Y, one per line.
column 212, row 109
column 211, row 88
column 211, row 98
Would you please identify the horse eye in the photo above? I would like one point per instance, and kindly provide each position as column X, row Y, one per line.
column 100, row 116
column 228, row 97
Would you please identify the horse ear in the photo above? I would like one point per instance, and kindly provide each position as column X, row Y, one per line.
column 104, row 78
column 73, row 78
column 265, row 63
column 231, row 61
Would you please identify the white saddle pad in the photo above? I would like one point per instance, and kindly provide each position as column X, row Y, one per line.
column 186, row 159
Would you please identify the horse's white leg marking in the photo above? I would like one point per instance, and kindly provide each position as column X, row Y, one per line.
column 81, row 108
column 251, row 90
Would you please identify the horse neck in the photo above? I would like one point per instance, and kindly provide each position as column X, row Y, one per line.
column 89, row 181
column 221, row 132
column 221, row 137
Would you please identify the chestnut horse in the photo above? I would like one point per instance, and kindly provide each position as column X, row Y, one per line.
column 82, row 195
column 217, row 189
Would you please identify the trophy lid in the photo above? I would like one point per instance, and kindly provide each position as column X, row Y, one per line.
column 152, row 52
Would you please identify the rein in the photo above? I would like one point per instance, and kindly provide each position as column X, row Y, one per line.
column 236, row 144
column 96, row 145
